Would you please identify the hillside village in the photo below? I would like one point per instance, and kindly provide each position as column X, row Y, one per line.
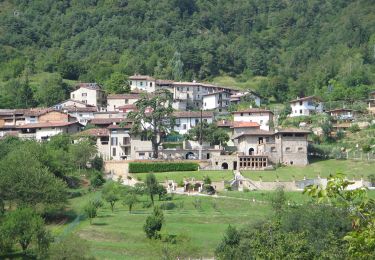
column 256, row 139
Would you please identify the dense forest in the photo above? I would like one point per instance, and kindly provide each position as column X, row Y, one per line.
column 297, row 47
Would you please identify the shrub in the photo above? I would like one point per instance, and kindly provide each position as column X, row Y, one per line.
column 137, row 167
column 97, row 179
column 154, row 223
column 167, row 206
column 354, row 128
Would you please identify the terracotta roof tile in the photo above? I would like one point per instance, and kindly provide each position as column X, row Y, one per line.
column 123, row 96
column 94, row 132
column 253, row 110
column 245, row 125
column 47, row 125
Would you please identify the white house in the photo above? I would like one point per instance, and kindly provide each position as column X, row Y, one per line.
column 248, row 95
column 216, row 100
column 43, row 131
column 306, row 106
column 142, row 82
column 115, row 101
column 90, row 94
column 185, row 120
column 82, row 114
column 70, row 103
column 263, row 117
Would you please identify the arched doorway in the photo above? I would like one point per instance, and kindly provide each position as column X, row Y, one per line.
column 251, row 151
column 224, row 166
column 189, row 155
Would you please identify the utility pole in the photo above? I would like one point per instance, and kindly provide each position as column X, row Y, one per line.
column 200, row 136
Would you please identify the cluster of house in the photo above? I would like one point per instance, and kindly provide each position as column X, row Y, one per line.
column 255, row 143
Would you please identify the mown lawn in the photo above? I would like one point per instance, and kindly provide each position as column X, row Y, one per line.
column 179, row 176
column 119, row 235
column 352, row 169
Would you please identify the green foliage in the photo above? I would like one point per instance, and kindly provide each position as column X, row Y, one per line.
column 130, row 200
column 72, row 247
column 185, row 40
column 97, row 163
column 118, row 83
column 152, row 186
column 211, row 133
column 91, row 208
column 140, row 167
column 354, row 128
column 361, row 211
column 227, row 247
column 157, row 124
column 111, row 193
column 168, row 206
column 24, row 226
column 96, row 179
column 154, row 224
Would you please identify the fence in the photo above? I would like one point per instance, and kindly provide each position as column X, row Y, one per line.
column 356, row 155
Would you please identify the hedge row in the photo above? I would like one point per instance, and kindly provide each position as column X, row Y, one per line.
column 137, row 167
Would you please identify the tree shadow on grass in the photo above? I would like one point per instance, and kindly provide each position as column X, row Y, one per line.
column 100, row 224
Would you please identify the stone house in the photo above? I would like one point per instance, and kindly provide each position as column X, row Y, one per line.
column 306, row 106
column 259, row 149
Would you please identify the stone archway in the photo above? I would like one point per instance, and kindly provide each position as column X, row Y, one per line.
column 188, row 155
column 224, row 166
column 251, row 151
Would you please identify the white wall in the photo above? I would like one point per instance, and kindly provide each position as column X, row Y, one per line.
column 86, row 95
column 305, row 109
column 113, row 104
column 188, row 123
column 263, row 119
column 209, row 102
column 146, row 85
column 82, row 117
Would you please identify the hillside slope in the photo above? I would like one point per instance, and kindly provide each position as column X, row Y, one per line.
column 298, row 47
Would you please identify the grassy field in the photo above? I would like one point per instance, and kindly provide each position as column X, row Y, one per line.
column 179, row 176
column 120, row 235
column 352, row 169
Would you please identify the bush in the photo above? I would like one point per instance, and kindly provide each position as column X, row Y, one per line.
column 354, row 128
column 167, row 206
column 137, row 167
column 97, row 179
column 153, row 224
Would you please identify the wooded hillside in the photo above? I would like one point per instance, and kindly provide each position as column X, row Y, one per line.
column 298, row 47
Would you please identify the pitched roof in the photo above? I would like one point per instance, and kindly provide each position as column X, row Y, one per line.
column 75, row 101
column 38, row 111
column 107, row 121
column 79, row 109
column 123, row 96
column 256, row 132
column 127, row 126
column 129, row 106
column 47, row 125
column 217, row 92
column 192, row 114
column 292, row 130
column 305, row 98
column 245, row 125
column 94, row 132
column 224, row 123
column 94, row 86
column 253, row 110
column 141, row 77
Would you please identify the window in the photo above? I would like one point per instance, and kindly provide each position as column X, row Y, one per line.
column 150, row 84
column 300, row 103
column 261, row 121
column 187, row 95
column 72, row 96
column 141, row 154
column 273, row 149
column 300, row 149
column 196, row 121
column 287, row 149
column 300, row 111
column 187, row 88
column 184, row 126
column 205, row 104
column 113, row 140
column 84, row 94
column 131, row 82
column 114, row 151
column 198, row 89
column 241, row 114
column 141, row 83
column 126, row 101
